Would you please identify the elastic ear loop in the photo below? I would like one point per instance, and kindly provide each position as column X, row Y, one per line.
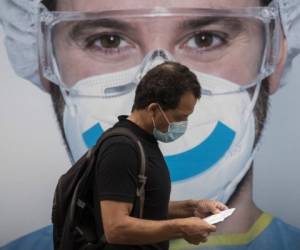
column 68, row 101
column 229, row 189
column 250, row 108
column 164, row 115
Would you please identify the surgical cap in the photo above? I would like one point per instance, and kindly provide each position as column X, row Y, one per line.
column 19, row 22
column 290, row 18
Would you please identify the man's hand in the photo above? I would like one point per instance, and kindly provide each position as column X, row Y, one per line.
column 198, row 208
column 196, row 230
column 204, row 208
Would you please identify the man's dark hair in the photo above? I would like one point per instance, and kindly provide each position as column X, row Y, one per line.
column 265, row 2
column 165, row 84
column 50, row 4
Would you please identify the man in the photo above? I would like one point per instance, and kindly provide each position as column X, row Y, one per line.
column 91, row 62
column 164, row 100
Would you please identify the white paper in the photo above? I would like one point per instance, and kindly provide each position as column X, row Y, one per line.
column 216, row 218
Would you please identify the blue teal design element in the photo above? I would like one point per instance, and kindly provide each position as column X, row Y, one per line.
column 202, row 157
column 92, row 135
column 192, row 162
column 38, row 240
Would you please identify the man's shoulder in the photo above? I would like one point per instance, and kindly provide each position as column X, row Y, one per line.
column 118, row 139
column 118, row 144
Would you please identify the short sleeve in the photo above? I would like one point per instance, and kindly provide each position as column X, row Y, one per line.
column 116, row 172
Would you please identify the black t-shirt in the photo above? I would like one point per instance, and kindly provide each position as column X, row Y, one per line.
column 116, row 178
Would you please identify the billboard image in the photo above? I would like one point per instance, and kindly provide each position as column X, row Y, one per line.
column 70, row 68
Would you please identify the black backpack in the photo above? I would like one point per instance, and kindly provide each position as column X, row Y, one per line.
column 73, row 215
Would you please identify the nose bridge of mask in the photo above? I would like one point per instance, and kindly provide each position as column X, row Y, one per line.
column 153, row 59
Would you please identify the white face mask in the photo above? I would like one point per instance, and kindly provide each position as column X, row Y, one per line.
column 208, row 161
column 86, row 118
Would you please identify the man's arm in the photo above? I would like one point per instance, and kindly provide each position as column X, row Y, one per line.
column 182, row 209
column 199, row 208
column 121, row 228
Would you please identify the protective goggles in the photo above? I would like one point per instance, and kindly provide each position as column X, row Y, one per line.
column 238, row 45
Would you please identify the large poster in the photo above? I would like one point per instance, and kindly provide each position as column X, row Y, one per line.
column 235, row 60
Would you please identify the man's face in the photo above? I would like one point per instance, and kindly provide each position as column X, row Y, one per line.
column 181, row 113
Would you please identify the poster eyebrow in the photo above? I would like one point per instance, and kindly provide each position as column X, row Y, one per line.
column 82, row 26
column 199, row 22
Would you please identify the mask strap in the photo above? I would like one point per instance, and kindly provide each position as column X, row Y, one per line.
column 229, row 189
column 67, row 100
column 165, row 116
column 153, row 122
column 250, row 108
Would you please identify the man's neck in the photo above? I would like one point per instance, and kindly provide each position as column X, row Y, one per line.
column 140, row 119
column 246, row 212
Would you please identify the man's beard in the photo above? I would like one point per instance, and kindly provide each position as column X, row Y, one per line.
column 261, row 110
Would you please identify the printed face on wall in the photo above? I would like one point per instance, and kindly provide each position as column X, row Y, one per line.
column 215, row 42
column 97, row 51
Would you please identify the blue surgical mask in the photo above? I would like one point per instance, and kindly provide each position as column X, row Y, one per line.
column 175, row 130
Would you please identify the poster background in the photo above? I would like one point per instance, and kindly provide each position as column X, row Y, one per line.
column 32, row 155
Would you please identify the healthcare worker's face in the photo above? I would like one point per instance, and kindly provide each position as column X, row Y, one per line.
column 229, row 48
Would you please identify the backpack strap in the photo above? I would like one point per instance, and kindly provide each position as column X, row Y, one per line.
column 142, row 179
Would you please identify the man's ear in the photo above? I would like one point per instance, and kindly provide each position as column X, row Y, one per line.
column 152, row 109
column 274, row 79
